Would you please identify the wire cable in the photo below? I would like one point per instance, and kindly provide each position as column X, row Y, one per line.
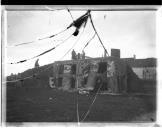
column 73, row 44
column 49, row 66
column 29, row 43
column 89, row 41
column 51, row 36
column 70, row 14
column 22, row 61
column 34, row 41
column 92, row 103
column 36, row 74
column 98, row 35
column 43, row 70
column 49, row 51
column 88, row 111
column 77, row 105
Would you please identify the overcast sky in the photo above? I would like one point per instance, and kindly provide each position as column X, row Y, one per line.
column 133, row 32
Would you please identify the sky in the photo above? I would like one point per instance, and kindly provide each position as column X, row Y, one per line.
column 133, row 32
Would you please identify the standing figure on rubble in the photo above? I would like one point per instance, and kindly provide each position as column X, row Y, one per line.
column 36, row 67
column 73, row 55
column 78, row 56
column 83, row 54
column 37, row 64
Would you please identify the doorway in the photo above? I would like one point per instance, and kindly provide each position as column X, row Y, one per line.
column 102, row 67
column 103, row 77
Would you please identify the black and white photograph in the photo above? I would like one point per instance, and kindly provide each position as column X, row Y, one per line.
column 79, row 65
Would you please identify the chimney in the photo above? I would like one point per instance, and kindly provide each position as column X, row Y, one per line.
column 115, row 53
column 134, row 56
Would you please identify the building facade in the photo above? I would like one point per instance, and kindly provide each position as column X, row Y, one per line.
column 112, row 73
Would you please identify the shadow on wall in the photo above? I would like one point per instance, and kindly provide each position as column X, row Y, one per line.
column 137, row 85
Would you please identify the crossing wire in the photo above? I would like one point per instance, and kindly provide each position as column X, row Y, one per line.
column 89, row 41
column 98, row 34
column 77, row 84
column 88, row 111
column 43, row 52
column 73, row 44
column 70, row 14
column 51, row 65
column 79, row 22
column 77, row 95
column 51, row 36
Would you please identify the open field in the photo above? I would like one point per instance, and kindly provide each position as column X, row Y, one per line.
column 51, row 105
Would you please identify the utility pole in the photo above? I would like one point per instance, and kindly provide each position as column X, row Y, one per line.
column 77, row 85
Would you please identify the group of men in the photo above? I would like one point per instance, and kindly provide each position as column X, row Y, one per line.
column 76, row 56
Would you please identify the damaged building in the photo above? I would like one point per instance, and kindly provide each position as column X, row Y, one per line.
column 111, row 74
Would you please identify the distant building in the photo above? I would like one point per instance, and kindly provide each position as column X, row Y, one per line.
column 144, row 68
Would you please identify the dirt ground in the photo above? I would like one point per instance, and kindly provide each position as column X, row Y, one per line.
column 51, row 105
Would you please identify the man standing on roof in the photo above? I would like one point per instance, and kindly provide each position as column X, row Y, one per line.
column 83, row 54
column 78, row 56
column 73, row 55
